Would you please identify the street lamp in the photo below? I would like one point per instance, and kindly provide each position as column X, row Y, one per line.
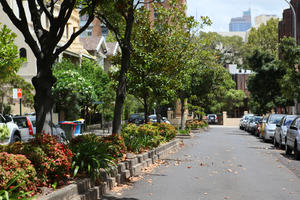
column 295, row 110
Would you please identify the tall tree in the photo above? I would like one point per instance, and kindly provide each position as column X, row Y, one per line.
column 10, row 63
column 43, row 41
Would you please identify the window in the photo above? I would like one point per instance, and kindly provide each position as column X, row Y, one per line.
column 23, row 53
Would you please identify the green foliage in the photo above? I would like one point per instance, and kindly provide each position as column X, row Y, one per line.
column 17, row 175
column 147, row 136
column 234, row 99
column 227, row 50
column 77, row 87
column 290, row 59
column 264, row 84
column 51, row 160
column 4, row 132
column 10, row 62
column 265, row 37
column 90, row 155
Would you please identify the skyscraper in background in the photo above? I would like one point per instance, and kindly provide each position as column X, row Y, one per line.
column 240, row 24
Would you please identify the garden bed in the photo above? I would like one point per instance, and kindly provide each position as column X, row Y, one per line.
column 131, row 167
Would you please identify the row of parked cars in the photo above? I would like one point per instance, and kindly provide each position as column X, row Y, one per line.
column 23, row 128
column 281, row 129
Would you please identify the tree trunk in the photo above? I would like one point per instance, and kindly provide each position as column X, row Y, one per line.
column 43, row 101
column 145, row 108
column 158, row 111
column 182, row 127
column 121, row 92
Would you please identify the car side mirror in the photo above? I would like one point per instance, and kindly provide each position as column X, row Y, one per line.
column 293, row 127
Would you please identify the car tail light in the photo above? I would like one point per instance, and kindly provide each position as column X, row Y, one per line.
column 216, row 117
column 30, row 127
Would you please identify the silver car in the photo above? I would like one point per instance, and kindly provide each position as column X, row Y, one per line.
column 292, row 139
column 281, row 129
column 253, row 124
column 244, row 120
column 270, row 126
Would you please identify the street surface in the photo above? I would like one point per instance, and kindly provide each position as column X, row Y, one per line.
column 223, row 163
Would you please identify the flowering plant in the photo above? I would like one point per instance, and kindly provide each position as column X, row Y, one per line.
column 17, row 174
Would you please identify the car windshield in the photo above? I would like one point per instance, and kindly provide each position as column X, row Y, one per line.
column 288, row 121
column 275, row 119
column 257, row 119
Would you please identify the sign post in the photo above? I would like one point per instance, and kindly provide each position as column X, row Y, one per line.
column 17, row 94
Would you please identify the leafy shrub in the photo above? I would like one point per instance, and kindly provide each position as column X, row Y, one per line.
column 115, row 145
column 90, row 155
column 4, row 132
column 146, row 136
column 193, row 124
column 52, row 160
column 17, row 175
column 166, row 130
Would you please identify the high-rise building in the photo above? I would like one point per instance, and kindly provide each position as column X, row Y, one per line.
column 240, row 24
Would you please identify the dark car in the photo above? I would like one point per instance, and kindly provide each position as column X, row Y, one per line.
column 137, row 118
column 212, row 119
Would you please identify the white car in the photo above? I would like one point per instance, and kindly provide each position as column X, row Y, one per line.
column 244, row 120
column 14, row 132
column 270, row 126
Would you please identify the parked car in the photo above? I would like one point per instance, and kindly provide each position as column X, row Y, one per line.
column 253, row 123
column 153, row 119
column 14, row 132
column 244, row 120
column 281, row 129
column 292, row 138
column 137, row 118
column 248, row 122
column 27, row 126
column 212, row 118
column 270, row 126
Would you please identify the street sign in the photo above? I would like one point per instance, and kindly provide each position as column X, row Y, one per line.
column 98, row 102
column 17, row 93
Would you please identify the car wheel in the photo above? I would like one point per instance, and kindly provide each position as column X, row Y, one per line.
column 275, row 143
column 280, row 143
column 288, row 150
column 16, row 138
column 296, row 152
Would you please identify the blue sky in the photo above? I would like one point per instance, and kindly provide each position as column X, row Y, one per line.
column 221, row 11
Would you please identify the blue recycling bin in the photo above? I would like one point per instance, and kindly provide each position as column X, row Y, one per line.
column 72, row 128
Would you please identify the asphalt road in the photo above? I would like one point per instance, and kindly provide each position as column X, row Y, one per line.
column 223, row 163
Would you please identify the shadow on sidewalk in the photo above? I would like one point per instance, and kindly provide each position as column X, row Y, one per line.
column 116, row 198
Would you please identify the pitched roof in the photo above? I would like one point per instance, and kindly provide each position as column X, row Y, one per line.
column 90, row 43
column 112, row 48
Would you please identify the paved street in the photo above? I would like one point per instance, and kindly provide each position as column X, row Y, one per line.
column 223, row 163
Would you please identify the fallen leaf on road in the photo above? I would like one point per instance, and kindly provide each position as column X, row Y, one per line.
column 149, row 180
column 279, row 166
column 201, row 164
column 235, row 172
column 150, row 194
column 244, row 169
column 119, row 194
column 226, row 197
column 205, row 193
column 229, row 170
column 189, row 167
column 214, row 172
column 283, row 189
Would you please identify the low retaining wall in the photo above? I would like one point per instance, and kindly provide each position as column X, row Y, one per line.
column 85, row 189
